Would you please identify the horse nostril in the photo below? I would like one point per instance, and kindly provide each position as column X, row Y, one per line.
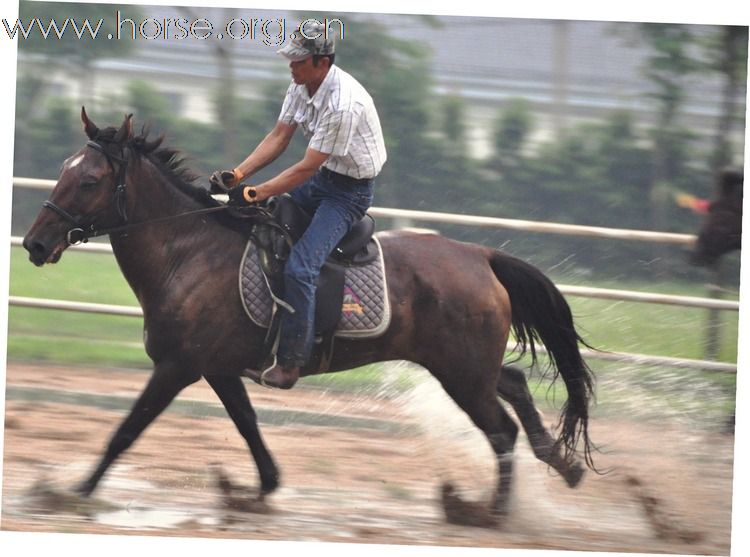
column 37, row 250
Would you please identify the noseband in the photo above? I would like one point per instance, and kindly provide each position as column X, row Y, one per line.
column 80, row 233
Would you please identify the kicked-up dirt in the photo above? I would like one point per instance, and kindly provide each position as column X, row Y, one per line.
column 357, row 469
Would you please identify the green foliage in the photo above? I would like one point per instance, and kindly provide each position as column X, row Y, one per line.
column 454, row 121
column 670, row 57
column 47, row 140
column 726, row 54
column 598, row 174
column 667, row 67
column 512, row 130
column 150, row 106
column 582, row 177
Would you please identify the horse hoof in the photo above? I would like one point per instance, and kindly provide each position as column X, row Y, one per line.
column 268, row 486
column 83, row 489
column 574, row 475
column 468, row 513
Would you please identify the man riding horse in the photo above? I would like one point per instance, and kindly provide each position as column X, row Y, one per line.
column 333, row 182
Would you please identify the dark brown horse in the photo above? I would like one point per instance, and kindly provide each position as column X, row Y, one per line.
column 453, row 306
column 721, row 231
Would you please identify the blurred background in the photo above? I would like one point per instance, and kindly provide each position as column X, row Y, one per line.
column 608, row 124
column 592, row 123
column 619, row 125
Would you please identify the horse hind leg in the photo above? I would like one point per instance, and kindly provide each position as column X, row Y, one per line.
column 485, row 410
column 512, row 388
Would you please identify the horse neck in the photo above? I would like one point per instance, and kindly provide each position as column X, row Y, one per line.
column 151, row 254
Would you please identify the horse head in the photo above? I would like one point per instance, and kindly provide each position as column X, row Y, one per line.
column 89, row 194
column 721, row 231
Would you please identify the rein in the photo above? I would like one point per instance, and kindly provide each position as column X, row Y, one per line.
column 80, row 233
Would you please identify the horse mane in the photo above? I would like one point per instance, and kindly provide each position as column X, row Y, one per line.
column 168, row 160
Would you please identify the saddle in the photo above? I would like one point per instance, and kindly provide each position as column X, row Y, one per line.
column 274, row 240
column 355, row 248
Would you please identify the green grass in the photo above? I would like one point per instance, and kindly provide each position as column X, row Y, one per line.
column 78, row 276
column 71, row 350
column 72, row 337
column 653, row 329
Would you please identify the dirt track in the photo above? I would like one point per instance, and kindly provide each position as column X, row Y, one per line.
column 371, row 475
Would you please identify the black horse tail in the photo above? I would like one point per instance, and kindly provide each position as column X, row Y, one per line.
column 541, row 314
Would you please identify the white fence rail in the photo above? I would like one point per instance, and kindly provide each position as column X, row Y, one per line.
column 491, row 222
column 129, row 311
column 534, row 226
column 570, row 290
column 486, row 222
column 67, row 305
column 34, row 183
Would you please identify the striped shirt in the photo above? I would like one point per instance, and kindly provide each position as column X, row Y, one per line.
column 340, row 120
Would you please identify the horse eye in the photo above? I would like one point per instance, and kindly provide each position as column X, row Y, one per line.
column 89, row 183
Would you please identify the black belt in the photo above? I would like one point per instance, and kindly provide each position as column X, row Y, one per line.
column 343, row 179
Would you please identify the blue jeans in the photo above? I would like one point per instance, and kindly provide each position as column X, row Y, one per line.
column 336, row 203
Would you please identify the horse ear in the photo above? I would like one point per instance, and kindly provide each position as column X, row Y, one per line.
column 88, row 126
column 125, row 132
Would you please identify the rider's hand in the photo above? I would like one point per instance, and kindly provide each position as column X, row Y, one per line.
column 242, row 196
column 223, row 180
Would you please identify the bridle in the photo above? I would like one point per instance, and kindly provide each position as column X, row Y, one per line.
column 81, row 232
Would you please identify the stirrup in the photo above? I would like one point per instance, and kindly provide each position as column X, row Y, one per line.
column 264, row 372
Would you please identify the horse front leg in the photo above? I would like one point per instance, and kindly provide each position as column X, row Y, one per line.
column 233, row 396
column 165, row 383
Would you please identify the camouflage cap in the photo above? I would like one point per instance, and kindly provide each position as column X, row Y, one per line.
column 311, row 39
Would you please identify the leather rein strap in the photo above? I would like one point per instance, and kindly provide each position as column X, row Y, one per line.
column 80, row 233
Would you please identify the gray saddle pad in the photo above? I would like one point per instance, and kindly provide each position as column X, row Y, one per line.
column 365, row 313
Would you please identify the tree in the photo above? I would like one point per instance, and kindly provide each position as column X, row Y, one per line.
column 226, row 104
column 727, row 55
column 41, row 145
column 76, row 52
column 667, row 66
column 40, row 57
column 453, row 122
column 510, row 133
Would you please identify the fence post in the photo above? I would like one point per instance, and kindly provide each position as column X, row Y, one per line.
column 713, row 324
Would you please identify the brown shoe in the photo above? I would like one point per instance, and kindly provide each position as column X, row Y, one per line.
column 276, row 376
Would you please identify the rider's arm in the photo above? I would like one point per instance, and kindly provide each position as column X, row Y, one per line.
column 267, row 150
column 292, row 176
